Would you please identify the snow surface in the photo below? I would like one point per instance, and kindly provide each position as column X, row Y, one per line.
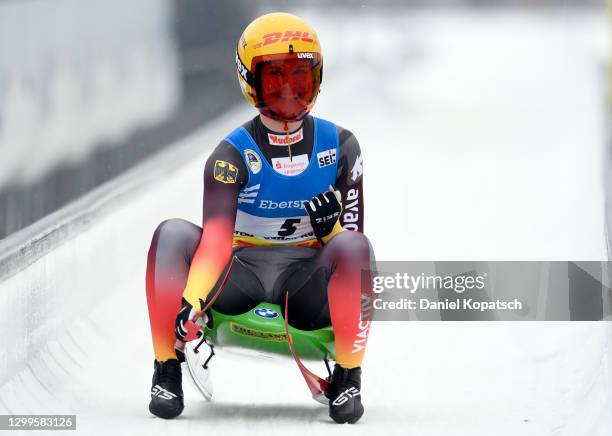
column 482, row 137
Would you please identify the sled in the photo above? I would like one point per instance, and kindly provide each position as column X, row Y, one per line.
column 264, row 330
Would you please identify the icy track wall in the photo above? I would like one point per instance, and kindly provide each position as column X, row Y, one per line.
column 61, row 268
column 75, row 75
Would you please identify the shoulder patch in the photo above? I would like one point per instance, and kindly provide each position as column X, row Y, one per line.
column 357, row 170
column 253, row 160
column 225, row 172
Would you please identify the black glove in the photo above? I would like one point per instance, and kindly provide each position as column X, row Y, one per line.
column 185, row 327
column 324, row 210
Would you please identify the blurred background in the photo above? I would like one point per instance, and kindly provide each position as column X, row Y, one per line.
column 90, row 89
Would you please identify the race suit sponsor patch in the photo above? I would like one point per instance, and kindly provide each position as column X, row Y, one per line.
column 350, row 213
column 286, row 139
column 327, row 157
column 290, row 167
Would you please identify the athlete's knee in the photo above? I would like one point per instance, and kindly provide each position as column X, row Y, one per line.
column 174, row 240
column 350, row 245
column 177, row 233
column 178, row 228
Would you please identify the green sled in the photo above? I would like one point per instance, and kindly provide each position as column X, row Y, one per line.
column 263, row 329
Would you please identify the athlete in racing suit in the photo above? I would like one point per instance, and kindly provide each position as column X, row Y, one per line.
column 286, row 199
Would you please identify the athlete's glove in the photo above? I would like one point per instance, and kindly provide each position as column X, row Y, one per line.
column 324, row 210
column 185, row 328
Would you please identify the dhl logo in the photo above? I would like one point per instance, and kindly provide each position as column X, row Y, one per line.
column 289, row 35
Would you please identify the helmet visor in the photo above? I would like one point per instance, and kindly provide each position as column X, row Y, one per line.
column 287, row 84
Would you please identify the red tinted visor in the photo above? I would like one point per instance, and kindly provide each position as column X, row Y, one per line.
column 287, row 85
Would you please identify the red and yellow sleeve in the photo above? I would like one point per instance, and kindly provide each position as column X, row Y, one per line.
column 224, row 174
column 210, row 258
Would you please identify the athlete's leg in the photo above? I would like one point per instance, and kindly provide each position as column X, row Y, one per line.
column 341, row 261
column 329, row 288
column 349, row 253
column 170, row 255
column 172, row 248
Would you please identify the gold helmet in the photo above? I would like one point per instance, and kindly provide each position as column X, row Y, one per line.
column 280, row 66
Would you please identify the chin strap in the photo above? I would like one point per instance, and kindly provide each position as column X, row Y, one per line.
column 286, row 129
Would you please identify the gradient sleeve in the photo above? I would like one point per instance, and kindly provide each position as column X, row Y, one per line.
column 224, row 174
column 349, row 181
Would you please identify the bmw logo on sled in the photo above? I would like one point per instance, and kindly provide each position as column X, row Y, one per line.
column 264, row 312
